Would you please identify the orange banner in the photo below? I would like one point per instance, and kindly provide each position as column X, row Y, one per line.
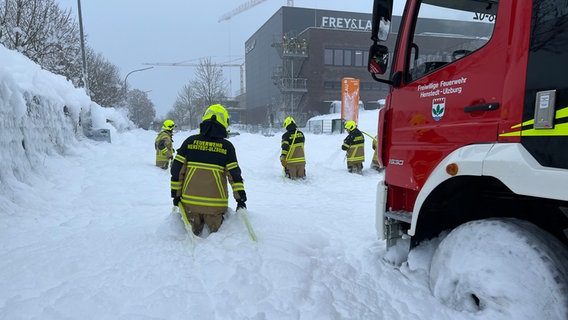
column 350, row 99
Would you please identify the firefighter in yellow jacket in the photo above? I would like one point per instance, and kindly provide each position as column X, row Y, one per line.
column 164, row 145
column 200, row 171
column 354, row 144
column 292, row 157
column 375, row 161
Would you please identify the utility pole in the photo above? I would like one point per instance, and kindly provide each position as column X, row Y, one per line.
column 85, row 76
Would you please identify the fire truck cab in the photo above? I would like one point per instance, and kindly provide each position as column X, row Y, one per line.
column 477, row 128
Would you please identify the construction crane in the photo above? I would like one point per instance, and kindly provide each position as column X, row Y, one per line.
column 245, row 6
column 186, row 64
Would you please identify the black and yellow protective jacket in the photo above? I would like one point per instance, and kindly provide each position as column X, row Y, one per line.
column 293, row 145
column 201, row 168
column 375, row 160
column 164, row 147
column 354, row 143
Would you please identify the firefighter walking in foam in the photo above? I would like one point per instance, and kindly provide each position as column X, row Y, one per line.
column 354, row 144
column 292, row 157
column 200, row 171
column 375, row 161
column 164, row 145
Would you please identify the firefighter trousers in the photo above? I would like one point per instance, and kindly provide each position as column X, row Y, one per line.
column 296, row 170
column 213, row 221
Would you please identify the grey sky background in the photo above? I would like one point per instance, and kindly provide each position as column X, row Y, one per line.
column 130, row 33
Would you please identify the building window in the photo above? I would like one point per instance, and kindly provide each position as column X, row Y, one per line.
column 332, row 85
column 358, row 58
column 338, row 57
column 328, row 56
column 347, row 57
column 370, row 86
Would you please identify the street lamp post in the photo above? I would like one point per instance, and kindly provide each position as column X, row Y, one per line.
column 137, row 70
column 85, row 77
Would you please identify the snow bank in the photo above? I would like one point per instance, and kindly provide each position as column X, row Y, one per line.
column 41, row 114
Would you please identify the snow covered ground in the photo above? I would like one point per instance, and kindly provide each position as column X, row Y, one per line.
column 89, row 239
column 86, row 233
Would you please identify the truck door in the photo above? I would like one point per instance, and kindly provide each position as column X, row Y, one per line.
column 451, row 85
column 544, row 129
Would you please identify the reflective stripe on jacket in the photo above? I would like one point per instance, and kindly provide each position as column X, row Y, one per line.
column 375, row 157
column 293, row 147
column 354, row 144
column 200, row 171
column 163, row 146
column 213, row 196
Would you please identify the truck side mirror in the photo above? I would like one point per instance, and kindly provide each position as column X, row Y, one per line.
column 378, row 59
column 382, row 15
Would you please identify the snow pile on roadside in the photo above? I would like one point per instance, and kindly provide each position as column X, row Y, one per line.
column 42, row 114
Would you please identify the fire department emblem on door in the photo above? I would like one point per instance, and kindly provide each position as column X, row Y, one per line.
column 438, row 108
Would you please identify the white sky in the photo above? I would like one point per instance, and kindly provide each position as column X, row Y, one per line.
column 130, row 33
column 85, row 234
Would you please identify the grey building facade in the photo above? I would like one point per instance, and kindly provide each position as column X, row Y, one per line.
column 296, row 60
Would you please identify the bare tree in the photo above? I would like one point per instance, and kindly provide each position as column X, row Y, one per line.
column 105, row 84
column 43, row 32
column 141, row 110
column 210, row 87
column 185, row 111
column 159, row 121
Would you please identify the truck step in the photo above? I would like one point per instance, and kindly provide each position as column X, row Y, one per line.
column 401, row 215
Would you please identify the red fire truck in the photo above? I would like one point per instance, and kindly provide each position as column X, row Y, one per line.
column 475, row 128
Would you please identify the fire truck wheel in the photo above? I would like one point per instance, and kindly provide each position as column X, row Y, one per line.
column 504, row 267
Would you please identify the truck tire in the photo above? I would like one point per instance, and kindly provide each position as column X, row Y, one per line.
column 504, row 266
